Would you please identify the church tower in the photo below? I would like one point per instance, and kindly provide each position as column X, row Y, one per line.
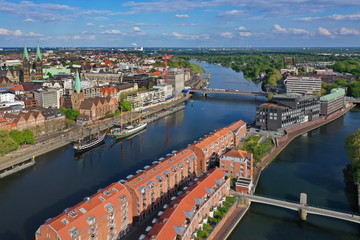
column 77, row 97
column 38, row 64
column 26, row 65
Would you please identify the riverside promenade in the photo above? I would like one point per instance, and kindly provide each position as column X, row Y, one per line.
column 24, row 157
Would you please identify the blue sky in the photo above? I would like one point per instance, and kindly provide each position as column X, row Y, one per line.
column 180, row 23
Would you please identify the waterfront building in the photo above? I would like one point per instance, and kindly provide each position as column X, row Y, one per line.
column 177, row 79
column 105, row 215
column 332, row 102
column 239, row 164
column 166, row 88
column 144, row 98
column 142, row 80
column 154, row 185
column 303, row 85
column 209, row 148
column 289, row 110
column 187, row 212
column 98, row 107
column 238, row 129
column 47, row 97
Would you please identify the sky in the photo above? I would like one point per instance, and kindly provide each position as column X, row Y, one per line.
column 180, row 23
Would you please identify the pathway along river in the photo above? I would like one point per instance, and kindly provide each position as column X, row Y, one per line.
column 311, row 164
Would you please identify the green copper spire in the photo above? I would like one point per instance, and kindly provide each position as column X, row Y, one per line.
column 38, row 54
column 26, row 54
column 77, row 84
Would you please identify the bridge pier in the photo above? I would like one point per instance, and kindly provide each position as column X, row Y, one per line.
column 303, row 202
column 204, row 95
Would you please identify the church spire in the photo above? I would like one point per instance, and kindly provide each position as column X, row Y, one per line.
column 38, row 54
column 26, row 54
column 77, row 84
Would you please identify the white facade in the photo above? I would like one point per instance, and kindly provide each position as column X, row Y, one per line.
column 177, row 79
column 48, row 98
column 304, row 85
column 7, row 97
column 167, row 89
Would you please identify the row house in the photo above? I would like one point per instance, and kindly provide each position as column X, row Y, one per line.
column 239, row 131
column 105, row 215
column 239, row 164
column 24, row 120
column 98, row 107
column 188, row 212
column 211, row 147
column 156, row 184
column 4, row 124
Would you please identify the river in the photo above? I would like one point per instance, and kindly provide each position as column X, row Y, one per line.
column 311, row 164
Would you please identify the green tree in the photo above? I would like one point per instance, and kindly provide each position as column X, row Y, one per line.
column 352, row 145
column 7, row 144
column 71, row 114
column 17, row 136
column 153, row 70
column 125, row 105
column 28, row 136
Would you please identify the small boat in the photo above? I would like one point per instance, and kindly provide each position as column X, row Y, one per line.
column 128, row 131
column 81, row 147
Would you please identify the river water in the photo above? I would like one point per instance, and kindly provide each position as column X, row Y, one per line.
column 311, row 164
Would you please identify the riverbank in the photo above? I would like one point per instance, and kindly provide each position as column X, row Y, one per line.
column 14, row 161
column 280, row 145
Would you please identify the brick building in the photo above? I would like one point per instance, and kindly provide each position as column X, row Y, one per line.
column 239, row 164
column 332, row 102
column 105, row 215
column 98, row 107
column 187, row 212
column 152, row 186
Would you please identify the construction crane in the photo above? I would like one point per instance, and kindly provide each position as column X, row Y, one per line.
column 166, row 58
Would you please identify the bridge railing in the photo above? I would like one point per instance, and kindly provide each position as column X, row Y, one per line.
column 334, row 210
column 276, row 198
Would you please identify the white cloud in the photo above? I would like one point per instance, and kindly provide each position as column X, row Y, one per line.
column 338, row 17
column 100, row 18
column 227, row 34
column 349, row 31
column 90, row 24
column 241, row 28
column 29, row 20
column 245, row 34
column 77, row 37
column 182, row 16
column 325, row 32
column 295, row 31
column 190, row 37
column 137, row 29
column 113, row 32
column 232, row 13
column 18, row 33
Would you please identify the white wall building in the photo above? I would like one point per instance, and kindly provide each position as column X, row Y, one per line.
column 7, row 97
column 167, row 89
column 48, row 98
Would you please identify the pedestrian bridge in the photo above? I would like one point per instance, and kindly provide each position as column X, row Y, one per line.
column 206, row 91
column 302, row 207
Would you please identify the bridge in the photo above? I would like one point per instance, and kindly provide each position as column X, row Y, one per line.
column 353, row 100
column 303, row 208
column 206, row 91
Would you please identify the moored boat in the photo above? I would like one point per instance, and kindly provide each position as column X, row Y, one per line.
column 128, row 131
column 81, row 147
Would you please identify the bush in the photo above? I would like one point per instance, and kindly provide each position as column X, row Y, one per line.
column 223, row 209
column 219, row 215
column 208, row 227
column 202, row 234
column 231, row 199
column 227, row 204
column 213, row 220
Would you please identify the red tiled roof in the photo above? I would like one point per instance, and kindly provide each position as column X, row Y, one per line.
column 175, row 216
column 236, row 125
column 93, row 206
column 235, row 153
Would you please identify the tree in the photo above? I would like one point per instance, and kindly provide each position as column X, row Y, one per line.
column 153, row 70
column 28, row 136
column 125, row 106
column 71, row 114
column 352, row 145
column 17, row 136
column 7, row 144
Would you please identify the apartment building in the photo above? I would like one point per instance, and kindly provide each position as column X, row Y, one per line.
column 303, row 85
column 153, row 185
column 239, row 164
column 105, row 215
column 187, row 212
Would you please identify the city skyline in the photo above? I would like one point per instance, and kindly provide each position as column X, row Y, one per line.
column 157, row 23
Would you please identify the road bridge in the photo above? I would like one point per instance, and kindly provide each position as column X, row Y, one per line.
column 303, row 208
column 206, row 91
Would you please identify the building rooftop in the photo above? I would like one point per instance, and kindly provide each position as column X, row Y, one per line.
column 335, row 93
